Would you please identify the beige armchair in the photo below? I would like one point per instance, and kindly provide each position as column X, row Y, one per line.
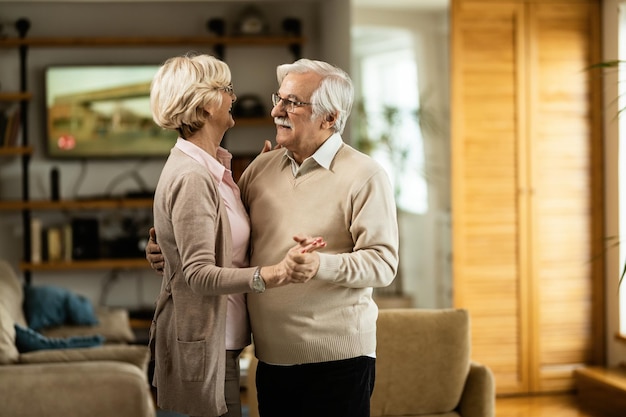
column 423, row 366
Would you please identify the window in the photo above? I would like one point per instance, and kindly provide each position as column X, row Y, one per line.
column 622, row 163
column 388, row 115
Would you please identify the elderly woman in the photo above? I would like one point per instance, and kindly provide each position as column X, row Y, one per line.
column 200, row 322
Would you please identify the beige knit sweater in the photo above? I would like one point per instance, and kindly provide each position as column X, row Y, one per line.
column 351, row 206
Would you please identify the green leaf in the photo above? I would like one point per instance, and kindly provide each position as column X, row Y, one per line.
column 608, row 64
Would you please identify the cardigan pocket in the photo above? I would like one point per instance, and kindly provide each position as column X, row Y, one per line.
column 192, row 360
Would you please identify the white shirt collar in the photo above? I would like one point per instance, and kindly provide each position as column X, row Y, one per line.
column 324, row 155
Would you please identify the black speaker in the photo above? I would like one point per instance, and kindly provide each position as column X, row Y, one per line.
column 292, row 26
column 85, row 239
column 216, row 26
column 54, row 184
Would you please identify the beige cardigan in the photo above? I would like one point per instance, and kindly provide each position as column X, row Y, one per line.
column 187, row 336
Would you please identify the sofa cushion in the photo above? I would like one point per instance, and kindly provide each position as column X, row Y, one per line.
column 8, row 350
column 138, row 355
column 113, row 324
column 11, row 295
column 49, row 306
column 423, row 359
column 28, row 340
column 92, row 388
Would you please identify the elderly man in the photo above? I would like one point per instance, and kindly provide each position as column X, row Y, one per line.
column 316, row 341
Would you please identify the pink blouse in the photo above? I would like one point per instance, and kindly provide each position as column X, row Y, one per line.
column 237, row 324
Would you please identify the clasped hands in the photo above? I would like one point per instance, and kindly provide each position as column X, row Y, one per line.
column 299, row 265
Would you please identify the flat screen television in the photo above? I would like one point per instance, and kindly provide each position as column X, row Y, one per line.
column 102, row 111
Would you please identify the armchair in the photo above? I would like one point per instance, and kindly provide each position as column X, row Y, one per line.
column 423, row 366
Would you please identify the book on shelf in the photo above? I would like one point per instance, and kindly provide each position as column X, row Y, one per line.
column 10, row 124
column 55, row 244
column 4, row 126
column 51, row 243
column 35, row 240
column 68, row 244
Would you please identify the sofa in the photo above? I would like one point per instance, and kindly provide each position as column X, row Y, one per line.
column 110, row 379
column 423, row 367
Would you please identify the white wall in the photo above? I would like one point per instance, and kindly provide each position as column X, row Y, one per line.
column 425, row 249
column 616, row 350
column 253, row 71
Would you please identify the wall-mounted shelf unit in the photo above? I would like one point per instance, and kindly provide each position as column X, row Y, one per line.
column 83, row 265
column 8, row 96
column 293, row 42
column 16, row 151
column 254, row 121
column 157, row 41
column 95, row 204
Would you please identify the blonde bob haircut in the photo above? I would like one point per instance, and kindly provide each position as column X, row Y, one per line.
column 183, row 87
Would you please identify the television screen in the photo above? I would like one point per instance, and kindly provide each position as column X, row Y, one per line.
column 102, row 111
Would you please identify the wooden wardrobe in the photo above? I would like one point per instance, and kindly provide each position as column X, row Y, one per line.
column 527, row 201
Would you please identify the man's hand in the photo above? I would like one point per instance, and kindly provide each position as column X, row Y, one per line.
column 308, row 243
column 299, row 265
column 153, row 253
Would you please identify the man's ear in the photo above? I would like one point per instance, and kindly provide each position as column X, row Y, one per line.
column 329, row 121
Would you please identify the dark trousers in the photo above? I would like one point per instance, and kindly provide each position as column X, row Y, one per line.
column 328, row 389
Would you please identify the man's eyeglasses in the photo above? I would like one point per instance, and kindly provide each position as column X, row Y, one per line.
column 287, row 103
column 227, row 89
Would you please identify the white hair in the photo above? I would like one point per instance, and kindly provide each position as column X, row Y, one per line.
column 335, row 94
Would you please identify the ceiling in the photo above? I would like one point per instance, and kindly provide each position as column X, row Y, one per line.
column 381, row 4
column 403, row 4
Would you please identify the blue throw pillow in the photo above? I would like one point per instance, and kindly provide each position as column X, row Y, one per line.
column 44, row 306
column 80, row 310
column 49, row 306
column 28, row 340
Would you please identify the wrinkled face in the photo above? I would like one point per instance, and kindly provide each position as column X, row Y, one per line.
column 296, row 130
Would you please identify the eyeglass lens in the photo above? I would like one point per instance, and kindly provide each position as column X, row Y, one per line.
column 286, row 103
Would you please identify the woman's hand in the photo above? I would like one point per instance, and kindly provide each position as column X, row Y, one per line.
column 267, row 146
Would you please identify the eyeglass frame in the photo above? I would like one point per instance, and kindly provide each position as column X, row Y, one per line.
column 228, row 89
column 292, row 104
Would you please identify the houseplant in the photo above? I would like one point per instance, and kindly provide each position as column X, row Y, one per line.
column 395, row 137
column 614, row 64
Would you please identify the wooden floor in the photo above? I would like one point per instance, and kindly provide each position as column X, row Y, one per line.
column 563, row 405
